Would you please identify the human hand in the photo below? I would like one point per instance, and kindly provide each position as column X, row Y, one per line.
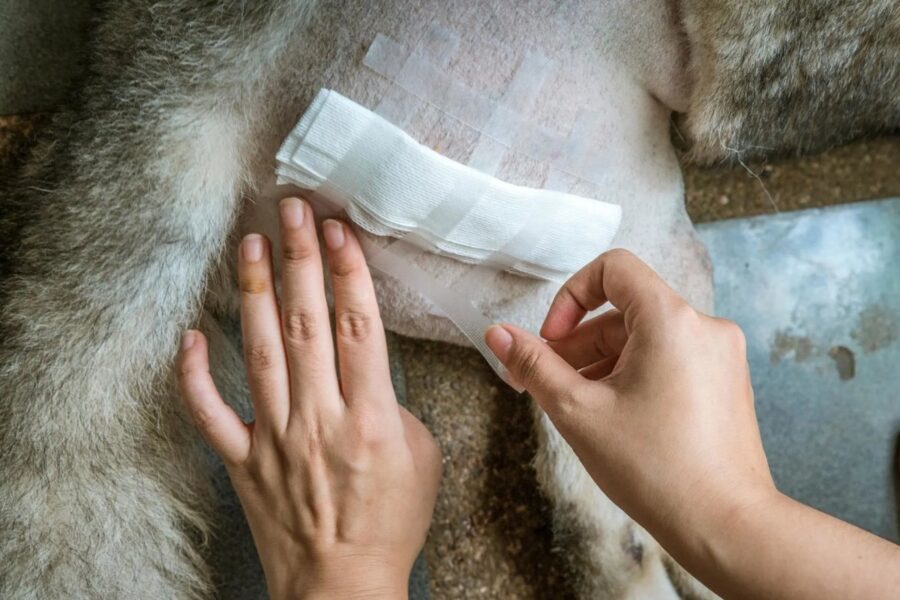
column 654, row 398
column 337, row 480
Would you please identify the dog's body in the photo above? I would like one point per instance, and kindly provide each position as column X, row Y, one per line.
column 124, row 221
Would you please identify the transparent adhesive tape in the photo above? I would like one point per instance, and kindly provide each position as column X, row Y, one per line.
column 338, row 163
column 394, row 186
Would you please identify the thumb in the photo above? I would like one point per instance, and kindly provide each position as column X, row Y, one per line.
column 532, row 363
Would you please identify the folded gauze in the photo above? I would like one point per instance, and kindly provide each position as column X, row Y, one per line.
column 390, row 185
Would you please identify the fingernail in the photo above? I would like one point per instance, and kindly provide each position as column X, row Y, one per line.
column 334, row 234
column 292, row 213
column 188, row 340
column 252, row 247
column 499, row 341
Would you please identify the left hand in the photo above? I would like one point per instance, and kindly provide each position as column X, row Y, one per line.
column 337, row 480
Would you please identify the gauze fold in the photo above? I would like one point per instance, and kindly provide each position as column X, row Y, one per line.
column 390, row 185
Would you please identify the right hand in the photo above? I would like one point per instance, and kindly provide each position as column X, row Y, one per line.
column 653, row 396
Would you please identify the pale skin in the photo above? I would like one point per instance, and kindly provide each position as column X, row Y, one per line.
column 339, row 482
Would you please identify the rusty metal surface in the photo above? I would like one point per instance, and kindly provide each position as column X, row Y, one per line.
column 817, row 293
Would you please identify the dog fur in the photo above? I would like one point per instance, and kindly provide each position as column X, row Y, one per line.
column 778, row 77
column 103, row 489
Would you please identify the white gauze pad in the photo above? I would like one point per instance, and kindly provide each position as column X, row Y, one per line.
column 390, row 185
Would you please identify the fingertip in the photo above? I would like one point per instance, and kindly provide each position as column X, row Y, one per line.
column 293, row 213
column 550, row 328
column 252, row 248
column 564, row 314
column 334, row 233
column 344, row 252
column 192, row 351
column 188, row 339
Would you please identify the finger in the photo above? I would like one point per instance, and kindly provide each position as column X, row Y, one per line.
column 530, row 361
column 600, row 369
column 361, row 343
column 593, row 340
column 216, row 421
column 261, row 327
column 304, row 310
column 617, row 276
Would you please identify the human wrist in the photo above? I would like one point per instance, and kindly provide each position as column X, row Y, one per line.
column 699, row 524
column 356, row 590
column 336, row 578
column 728, row 532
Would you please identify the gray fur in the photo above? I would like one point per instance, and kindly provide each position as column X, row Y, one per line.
column 113, row 226
column 775, row 77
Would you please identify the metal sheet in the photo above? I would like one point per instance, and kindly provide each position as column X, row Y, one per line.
column 817, row 293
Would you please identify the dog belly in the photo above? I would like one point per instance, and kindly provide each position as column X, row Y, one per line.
column 621, row 63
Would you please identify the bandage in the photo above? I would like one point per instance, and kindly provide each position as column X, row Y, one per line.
column 363, row 163
column 390, row 185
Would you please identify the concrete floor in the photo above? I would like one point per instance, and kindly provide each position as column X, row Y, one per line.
column 491, row 534
column 817, row 293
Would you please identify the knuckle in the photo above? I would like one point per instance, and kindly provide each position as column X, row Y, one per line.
column 309, row 440
column 682, row 315
column 354, row 325
column 563, row 406
column 314, row 442
column 733, row 334
column 369, row 427
column 296, row 252
column 186, row 372
column 260, row 358
column 300, row 326
column 344, row 267
column 617, row 254
column 202, row 418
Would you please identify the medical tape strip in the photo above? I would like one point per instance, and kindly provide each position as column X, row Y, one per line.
column 502, row 128
column 438, row 45
column 396, row 261
column 499, row 131
column 415, row 74
column 577, row 148
column 502, row 131
column 525, row 85
column 523, row 91
column 471, row 322
column 387, row 58
column 506, row 123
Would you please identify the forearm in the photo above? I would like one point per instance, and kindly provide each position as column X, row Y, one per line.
column 780, row 548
